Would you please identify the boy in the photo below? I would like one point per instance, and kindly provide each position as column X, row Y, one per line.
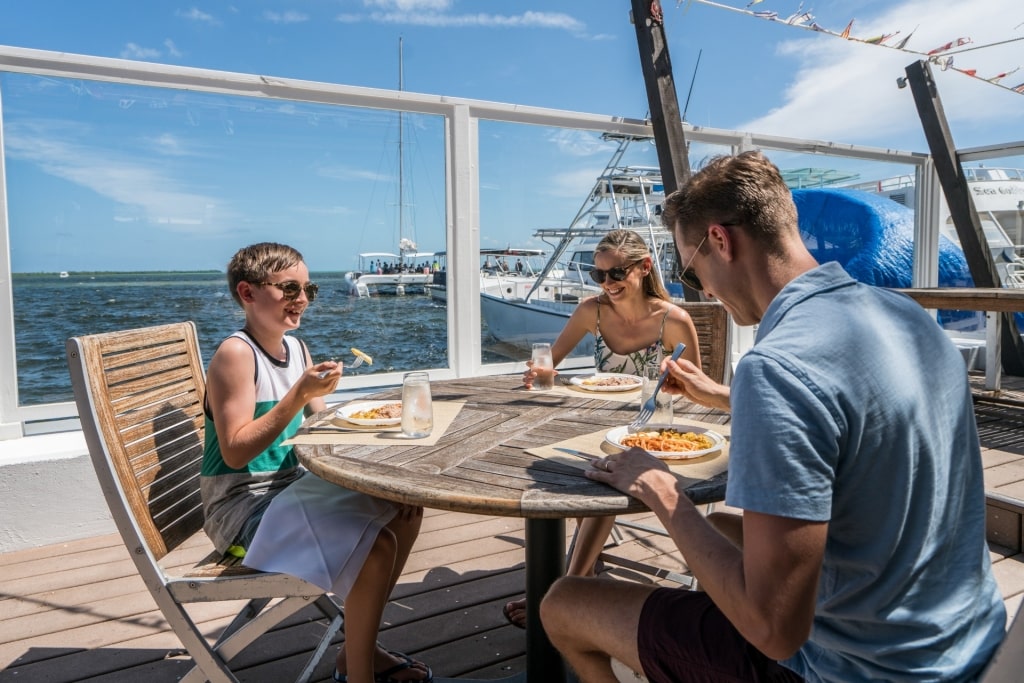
column 258, row 501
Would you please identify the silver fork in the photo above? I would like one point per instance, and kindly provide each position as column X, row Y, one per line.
column 354, row 364
column 647, row 409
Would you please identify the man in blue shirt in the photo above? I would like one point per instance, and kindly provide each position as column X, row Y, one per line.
column 860, row 554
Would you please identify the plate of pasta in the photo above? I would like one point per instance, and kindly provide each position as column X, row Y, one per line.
column 372, row 413
column 668, row 442
column 606, row 381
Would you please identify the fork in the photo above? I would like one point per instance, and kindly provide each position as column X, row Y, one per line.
column 354, row 364
column 647, row 409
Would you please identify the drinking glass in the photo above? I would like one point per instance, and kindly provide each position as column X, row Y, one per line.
column 543, row 366
column 664, row 404
column 417, row 407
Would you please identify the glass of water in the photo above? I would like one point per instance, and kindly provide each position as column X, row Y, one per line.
column 544, row 366
column 417, row 406
column 663, row 410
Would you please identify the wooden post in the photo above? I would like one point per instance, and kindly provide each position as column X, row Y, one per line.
column 662, row 102
column 961, row 205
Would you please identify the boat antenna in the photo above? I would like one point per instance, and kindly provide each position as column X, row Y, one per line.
column 686, row 107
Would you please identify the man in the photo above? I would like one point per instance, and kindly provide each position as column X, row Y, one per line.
column 860, row 554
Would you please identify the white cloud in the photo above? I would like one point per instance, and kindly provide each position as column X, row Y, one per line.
column 172, row 49
column 141, row 189
column 845, row 90
column 431, row 13
column 289, row 17
column 195, row 14
column 409, row 5
column 133, row 51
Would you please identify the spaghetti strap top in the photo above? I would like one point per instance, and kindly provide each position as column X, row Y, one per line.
column 606, row 360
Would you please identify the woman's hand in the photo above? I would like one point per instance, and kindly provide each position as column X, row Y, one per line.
column 530, row 374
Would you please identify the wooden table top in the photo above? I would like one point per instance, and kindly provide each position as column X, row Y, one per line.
column 968, row 299
column 479, row 464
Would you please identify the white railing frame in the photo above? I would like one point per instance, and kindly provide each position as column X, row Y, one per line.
column 462, row 120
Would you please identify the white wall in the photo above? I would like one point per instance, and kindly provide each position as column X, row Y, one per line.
column 48, row 492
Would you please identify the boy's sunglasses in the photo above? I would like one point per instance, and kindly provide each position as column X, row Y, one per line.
column 618, row 273
column 291, row 289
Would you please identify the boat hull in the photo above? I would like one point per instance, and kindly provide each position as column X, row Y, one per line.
column 370, row 284
column 522, row 323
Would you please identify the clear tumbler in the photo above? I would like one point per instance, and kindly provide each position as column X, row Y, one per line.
column 663, row 410
column 544, row 366
column 417, row 406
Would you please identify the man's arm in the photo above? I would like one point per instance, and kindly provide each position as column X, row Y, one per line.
column 767, row 588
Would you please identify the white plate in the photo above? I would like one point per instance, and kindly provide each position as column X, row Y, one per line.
column 345, row 411
column 580, row 381
column 614, row 437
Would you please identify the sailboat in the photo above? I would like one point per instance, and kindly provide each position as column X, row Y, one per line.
column 386, row 272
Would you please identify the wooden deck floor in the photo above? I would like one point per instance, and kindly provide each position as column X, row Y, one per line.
column 77, row 611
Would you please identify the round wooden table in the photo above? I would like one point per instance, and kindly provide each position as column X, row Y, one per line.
column 479, row 465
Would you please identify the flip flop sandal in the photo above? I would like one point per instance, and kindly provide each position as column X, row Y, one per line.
column 508, row 617
column 386, row 675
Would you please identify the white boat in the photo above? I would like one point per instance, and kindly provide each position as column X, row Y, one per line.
column 998, row 196
column 382, row 272
column 385, row 272
column 623, row 197
column 498, row 272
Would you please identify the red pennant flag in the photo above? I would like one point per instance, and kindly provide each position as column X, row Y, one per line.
column 846, row 31
column 1018, row 88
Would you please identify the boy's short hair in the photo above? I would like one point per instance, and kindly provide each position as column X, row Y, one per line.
column 257, row 261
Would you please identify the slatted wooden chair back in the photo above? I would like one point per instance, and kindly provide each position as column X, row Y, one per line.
column 712, row 323
column 140, row 400
column 145, row 391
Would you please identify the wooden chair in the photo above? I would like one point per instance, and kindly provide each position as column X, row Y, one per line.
column 712, row 323
column 140, row 400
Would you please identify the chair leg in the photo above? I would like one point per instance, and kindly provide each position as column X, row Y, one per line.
column 247, row 614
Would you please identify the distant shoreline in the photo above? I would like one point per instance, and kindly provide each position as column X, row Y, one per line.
column 107, row 273
column 121, row 272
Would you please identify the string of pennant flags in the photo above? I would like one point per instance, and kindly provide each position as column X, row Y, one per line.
column 942, row 55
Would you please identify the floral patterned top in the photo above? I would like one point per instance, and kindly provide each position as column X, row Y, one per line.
column 633, row 363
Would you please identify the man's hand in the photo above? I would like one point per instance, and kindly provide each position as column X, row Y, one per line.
column 635, row 472
column 687, row 380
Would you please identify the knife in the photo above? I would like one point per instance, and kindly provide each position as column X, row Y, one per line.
column 329, row 428
column 579, row 454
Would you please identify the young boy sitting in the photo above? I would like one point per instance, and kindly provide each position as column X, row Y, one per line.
column 260, row 503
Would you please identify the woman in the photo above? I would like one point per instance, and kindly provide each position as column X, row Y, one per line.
column 635, row 325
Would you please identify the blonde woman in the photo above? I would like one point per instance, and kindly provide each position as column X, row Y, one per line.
column 635, row 325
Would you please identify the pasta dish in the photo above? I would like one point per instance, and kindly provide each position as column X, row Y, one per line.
column 668, row 441
column 388, row 411
column 610, row 381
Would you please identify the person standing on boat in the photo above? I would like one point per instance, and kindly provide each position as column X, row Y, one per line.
column 259, row 503
column 635, row 326
column 860, row 554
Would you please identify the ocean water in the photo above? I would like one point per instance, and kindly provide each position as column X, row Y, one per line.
column 401, row 333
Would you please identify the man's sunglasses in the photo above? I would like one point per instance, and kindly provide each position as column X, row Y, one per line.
column 291, row 289
column 688, row 276
column 618, row 273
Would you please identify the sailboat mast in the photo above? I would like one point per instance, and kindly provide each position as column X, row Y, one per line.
column 401, row 161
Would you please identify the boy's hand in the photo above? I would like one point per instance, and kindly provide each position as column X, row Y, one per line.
column 322, row 378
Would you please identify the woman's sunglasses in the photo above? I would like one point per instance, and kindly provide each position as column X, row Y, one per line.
column 291, row 289
column 618, row 273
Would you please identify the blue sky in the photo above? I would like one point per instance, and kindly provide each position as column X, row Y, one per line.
column 754, row 75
